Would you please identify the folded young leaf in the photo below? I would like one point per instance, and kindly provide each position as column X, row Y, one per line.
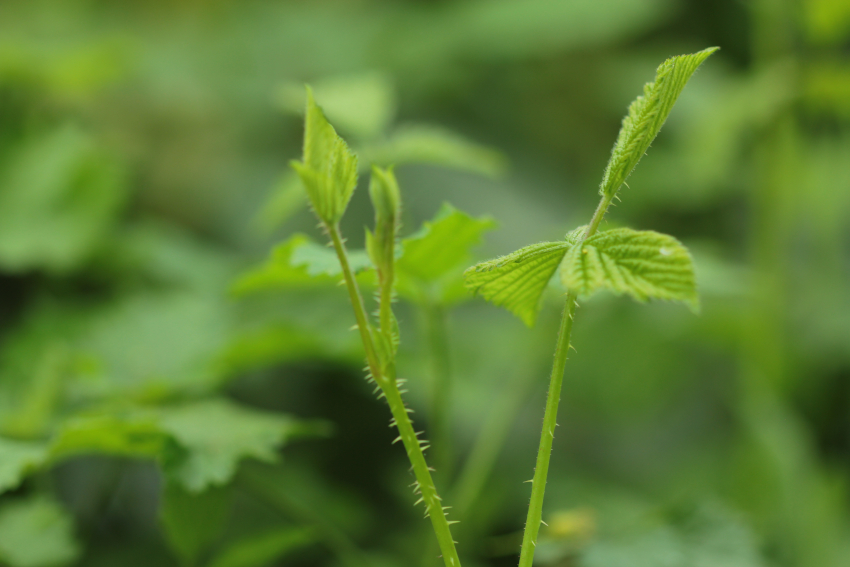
column 643, row 264
column 329, row 167
column 517, row 281
column 646, row 116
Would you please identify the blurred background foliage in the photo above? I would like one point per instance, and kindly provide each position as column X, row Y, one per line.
column 152, row 415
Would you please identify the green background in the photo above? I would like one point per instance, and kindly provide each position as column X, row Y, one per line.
column 150, row 415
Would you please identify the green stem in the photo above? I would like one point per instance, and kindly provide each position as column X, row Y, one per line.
column 265, row 486
column 491, row 438
column 550, row 417
column 435, row 323
column 541, row 470
column 401, row 419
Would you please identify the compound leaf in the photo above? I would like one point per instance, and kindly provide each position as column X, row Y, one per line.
column 517, row 281
column 642, row 264
column 646, row 116
column 329, row 167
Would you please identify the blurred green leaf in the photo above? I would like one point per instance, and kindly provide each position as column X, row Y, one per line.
column 126, row 436
column 707, row 536
column 17, row 459
column 193, row 522
column 36, row 532
column 214, row 435
column 264, row 548
column 299, row 262
column 149, row 345
column 643, row 264
column 362, row 105
column 435, row 146
column 60, row 197
column 441, row 244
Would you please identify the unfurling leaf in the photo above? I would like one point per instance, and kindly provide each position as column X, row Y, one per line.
column 386, row 199
column 646, row 116
column 329, row 167
column 517, row 281
column 643, row 264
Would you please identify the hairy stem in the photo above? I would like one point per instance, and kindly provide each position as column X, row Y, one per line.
column 544, row 452
column 386, row 381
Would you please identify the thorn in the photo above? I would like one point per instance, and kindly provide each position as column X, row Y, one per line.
column 396, row 440
column 354, row 327
column 544, row 523
column 532, row 480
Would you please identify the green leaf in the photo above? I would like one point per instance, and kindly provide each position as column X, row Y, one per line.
column 441, row 244
column 643, row 264
column 362, row 104
column 299, row 262
column 646, row 116
column 193, row 522
column 435, row 146
column 329, row 167
column 265, row 548
column 517, row 281
column 213, row 436
column 36, row 533
column 17, row 459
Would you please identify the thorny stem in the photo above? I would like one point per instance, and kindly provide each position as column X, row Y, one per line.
column 386, row 381
column 544, row 452
column 550, row 416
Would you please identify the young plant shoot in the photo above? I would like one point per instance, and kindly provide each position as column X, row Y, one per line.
column 642, row 264
column 329, row 174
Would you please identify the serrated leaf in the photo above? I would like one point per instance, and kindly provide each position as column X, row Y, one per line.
column 329, row 167
column 264, row 548
column 441, row 244
column 17, row 459
column 643, row 264
column 193, row 522
column 36, row 532
column 436, row 146
column 299, row 262
column 213, row 436
column 517, row 281
column 646, row 116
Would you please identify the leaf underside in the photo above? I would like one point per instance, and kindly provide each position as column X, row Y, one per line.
column 642, row 264
column 517, row 281
column 646, row 116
